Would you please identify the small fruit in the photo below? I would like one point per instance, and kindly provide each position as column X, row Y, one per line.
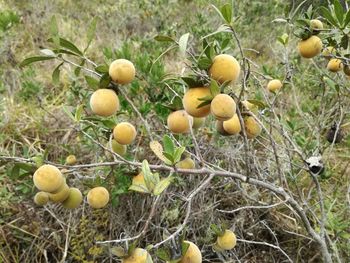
column 274, row 85
column 104, row 102
column 41, row 198
column 122, row 71
column 48, row 178
column 186, row 163
column 252, row 127
column 71, row 159
column 74, row 199
column 192, row 255
column 118, row 148
column 227, row 241
column 191, row 101
column 232, row 126
column 335, row 65
column 139, row 255
column 124, row 133
column 220, row 128
column 310, row 47
column 250, row 106
column 316, row 25
column 223, row 107
column 61, row 195
column 224, row 68
column 328, row 51
column 179, row 122
column 98, row 197
column 198, row 122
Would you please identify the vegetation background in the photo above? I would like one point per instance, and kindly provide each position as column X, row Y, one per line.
column 34, row 122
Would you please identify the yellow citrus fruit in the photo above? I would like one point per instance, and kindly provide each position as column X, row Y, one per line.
column 310, row 47
column 198, row 122
column 61, row 194
column 122, row 71
column 74, row 199
column 98, row 197
column 223, row 107
column 192, row 255
column 316, row 24
column 41, row 198
column 179, row 122
column 139, row 255
column 224, row 68
column 124, row 133
column 335, row 65
column 232, row 126
column 104, row 102
column 274, row 85
column 186, row 163
column 227, row 241
column 252, row 127
column 118, row 148
column 48, row 178
column 191, row 101
column 71, row 159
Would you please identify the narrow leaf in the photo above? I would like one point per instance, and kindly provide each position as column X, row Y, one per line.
column 78, row 112
column 92, row 82
column 339, row 11
column 162, row 185
column 30, row 60
column 162, row 38
column 104, row 81
column 54, row 31
column 214, row 88
column 91, row 33
column 226, row 11
column 56, row 74
column 102, row 68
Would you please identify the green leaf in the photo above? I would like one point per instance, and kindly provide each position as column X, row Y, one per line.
column 226, row 11
column 183, row 43
column 221, row 29
column 68, row 45
column 344, row 42
column 347, row 19
column 259, row 103
column 151, row 180
column 168, row 145
column 328, row 15
column 204, row 63
column 162, row 185
column 78, row 69
column 70, row 115
column 139, row 188
column 78, row 112
column 91, row 33
column 105, row 80
column 219, row 12
column 214, row 88
column 170, row 157
column 102, row 68
column 54, row 31
column 56, row 74
column 184, row 248
column 339, row 11
column 30, row 60
column 204, row 103
column 162, row 38
column 163, row 253
column 178, row 153
column 216, row 229
column 92, row 82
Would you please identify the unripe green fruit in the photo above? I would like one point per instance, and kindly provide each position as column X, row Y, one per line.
column 41, row 198
column 118, row 148
column 74, row 199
